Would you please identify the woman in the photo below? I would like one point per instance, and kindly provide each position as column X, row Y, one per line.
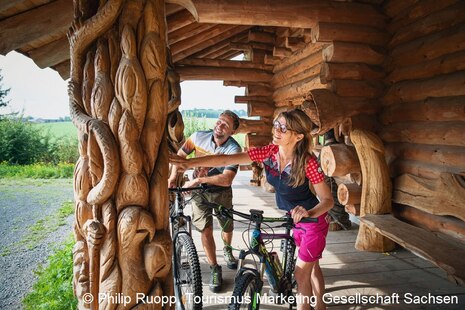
column 291, row 169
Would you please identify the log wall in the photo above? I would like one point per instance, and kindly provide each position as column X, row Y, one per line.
column 423, row 114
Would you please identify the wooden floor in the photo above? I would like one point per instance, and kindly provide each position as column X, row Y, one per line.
column 399, row 279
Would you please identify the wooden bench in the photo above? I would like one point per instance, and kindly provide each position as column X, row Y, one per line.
column 444, row 254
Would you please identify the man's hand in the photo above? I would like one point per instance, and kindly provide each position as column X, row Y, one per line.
column 195, row 182
column 181, row 163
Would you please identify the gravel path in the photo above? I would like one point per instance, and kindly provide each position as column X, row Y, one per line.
column 22, row 204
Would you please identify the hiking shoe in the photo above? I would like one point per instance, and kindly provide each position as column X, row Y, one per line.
column 216, row 278
column 229, row 258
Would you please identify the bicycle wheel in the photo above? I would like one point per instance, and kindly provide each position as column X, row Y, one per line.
column 188, row 274
column 246, row 292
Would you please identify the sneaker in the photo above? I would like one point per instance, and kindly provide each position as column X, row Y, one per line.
column 229, row 258
column 216, row 278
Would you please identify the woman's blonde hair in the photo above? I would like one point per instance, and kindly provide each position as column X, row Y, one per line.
column 299, row 122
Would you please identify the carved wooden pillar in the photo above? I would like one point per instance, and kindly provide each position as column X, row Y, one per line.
column 119, row 91
column 376, row 189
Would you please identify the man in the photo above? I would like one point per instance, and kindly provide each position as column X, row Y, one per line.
column 216, row 141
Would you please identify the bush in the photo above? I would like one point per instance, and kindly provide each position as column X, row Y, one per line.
column 23, row 144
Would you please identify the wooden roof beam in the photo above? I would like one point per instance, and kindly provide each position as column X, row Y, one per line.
column 216, row 73
column 179, row 20
column 229, row 55
column 208, row 42
column 223, row 63
column 214, row 50
column 16, row 31
column 51, row 54
column 190, row 42
column 283, row 13
column 187, row 32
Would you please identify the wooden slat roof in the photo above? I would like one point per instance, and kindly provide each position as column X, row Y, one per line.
column 37, row 28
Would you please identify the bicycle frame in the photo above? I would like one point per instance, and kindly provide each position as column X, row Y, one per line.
column 276, row 274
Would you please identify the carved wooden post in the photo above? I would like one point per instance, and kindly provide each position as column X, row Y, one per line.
column 376, row 189
column 118, row 89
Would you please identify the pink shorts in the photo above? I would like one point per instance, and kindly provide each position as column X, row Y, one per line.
column 312, row 241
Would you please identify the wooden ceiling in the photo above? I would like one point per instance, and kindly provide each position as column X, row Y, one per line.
column 37, row 29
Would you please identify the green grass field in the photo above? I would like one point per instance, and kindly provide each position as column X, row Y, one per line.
column 67, row 129
column 59, row 129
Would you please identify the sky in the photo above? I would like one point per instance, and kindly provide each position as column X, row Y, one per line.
column 42, row 93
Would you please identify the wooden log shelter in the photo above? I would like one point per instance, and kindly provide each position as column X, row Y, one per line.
column 388, row 76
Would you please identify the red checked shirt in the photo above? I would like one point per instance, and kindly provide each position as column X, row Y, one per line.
column 288, row 197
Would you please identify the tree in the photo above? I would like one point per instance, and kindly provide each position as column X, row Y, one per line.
column 3, row 93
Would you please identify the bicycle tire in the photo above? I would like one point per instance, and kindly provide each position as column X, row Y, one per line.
column 246, row 285
column 188, row 273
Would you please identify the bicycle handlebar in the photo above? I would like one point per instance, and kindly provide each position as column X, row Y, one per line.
column 187, row 189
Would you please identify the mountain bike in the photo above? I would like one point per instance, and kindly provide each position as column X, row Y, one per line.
column 186, row 266
column 249, row 281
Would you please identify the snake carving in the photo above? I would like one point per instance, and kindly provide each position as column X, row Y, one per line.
column 119, row 105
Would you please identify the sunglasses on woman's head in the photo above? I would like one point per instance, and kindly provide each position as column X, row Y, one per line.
column 281, row 127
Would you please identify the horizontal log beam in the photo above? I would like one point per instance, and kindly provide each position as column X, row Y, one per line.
column 250, row 46
column 447, row 225
column 259, row 90
column 216, row 73
column 439, row 86
column 247, row 99
column 349, row 71
column 244, row 83
column 205, row 43
column 297, row 89
column 446, row 158
column 252, row 140
column 353, row 52
column 431, row 133
column 259, row 127
column 179, row 20
column 188, row 31
column 51, row 54
column 283, row 13
column 329, row 32
column 216, row 49
column 394, row 8
column 190, row 42
column 441, row 196
column 352, row 88
column 307, row 73
column 17, row 31
column 419, row 11
column 297, row 68
column 299, row 55
column 262, row 37
column 435, row 22
column 223, row 63
column 281, row 52
column 430, row 109
column 426, row 48
column 260, row 109
column 442, row 65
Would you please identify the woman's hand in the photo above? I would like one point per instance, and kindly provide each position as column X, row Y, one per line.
column 298, row 213
column 179, row 161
